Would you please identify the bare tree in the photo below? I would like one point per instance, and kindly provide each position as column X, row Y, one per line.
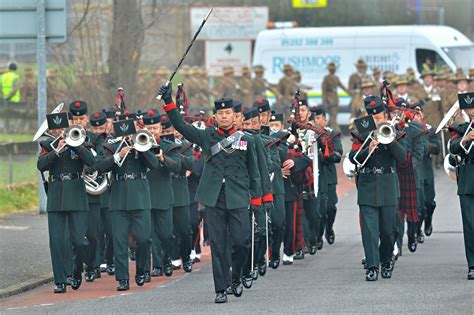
column 128, row 35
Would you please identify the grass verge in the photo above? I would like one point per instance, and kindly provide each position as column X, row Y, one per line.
column 18, row 197
column 15, row 137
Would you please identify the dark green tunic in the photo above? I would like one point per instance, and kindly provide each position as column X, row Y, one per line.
column 67, row 195
column 128, row 194
column 239, row 168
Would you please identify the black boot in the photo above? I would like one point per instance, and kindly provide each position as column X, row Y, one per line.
column 299, row 254
column 60, row 288
column 140, row 279
column 262, row 269
column 110, row 270
column 247, row 281
column 330, row 237
column 89, row 276
column 98, row 273
column 470, row 273
column 188, row 266
column 313, row 249
column 168, row 270
column 412, row 245
column 123, row 285
column 386, row 271
column 237, row 288
column 428, row 226
column 147, row 276
column 372, row 274
column 274, row 263
column 156, row 272
column 420, row 237
column 221, row 297
column 76, row 281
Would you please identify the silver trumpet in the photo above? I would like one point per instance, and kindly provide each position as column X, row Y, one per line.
column 141, row 141
column 94, row 185
column 384, row 134
column 74, row 136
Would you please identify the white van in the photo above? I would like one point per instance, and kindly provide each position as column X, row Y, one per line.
column 393, row 48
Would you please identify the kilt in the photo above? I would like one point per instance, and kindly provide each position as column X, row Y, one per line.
column 407, row 205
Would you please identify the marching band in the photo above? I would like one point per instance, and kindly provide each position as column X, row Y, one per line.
column 147, row 186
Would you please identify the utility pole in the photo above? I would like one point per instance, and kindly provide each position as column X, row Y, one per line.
column 41, row 62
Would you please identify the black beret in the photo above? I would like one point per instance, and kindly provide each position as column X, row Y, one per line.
column 223, row 103
column 317, row 110
column 98, row 119
column 276, row 117
column 165, row 122
column 262, row 105
column 78, row 108
column 250, row 113
column 374, row 105
column 303, row 102
column 151, row 117
column 237, row 106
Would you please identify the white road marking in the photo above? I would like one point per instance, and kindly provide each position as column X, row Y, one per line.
column 14, row 227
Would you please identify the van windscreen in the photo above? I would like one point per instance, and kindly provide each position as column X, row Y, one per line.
column 462, row 56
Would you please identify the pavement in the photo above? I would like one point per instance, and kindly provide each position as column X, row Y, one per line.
column 432, row 280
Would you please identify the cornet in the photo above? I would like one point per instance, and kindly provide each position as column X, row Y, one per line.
column 74, row 136
column 142, row 141
column 385, row 134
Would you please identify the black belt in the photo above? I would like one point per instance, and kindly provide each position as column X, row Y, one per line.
column 179, row 176
column 130, row 176
column 377, row 171
column 63, row 177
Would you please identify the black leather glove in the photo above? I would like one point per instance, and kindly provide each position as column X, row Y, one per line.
column 165, row 91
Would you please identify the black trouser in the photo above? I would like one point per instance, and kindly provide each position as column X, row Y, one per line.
column 430, row 204
column 321, row 214
column 92, row 234
column 412, row 228
column 221, row 222
column 278, row 225
column 467, row 213
column 195, row 226
column 182, row 232
column 76, row 222
column 124, row 221
column 310, row 207
column 289, row 238
column 106, row 234
column 377, row 234
column 331, row 207
column 161, row 237
column 261, row 236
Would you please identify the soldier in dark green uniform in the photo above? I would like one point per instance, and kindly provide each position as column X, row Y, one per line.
column 328, row 165
column 161, row 194
column 181, row 216
column 278, row 188
column 67, row 203
column 432, row 147
column 377, row 193
column 96, row 137
column 229, row 183
column 462, row 145
column 129, row 203
column 277, row 213
column 105, row 250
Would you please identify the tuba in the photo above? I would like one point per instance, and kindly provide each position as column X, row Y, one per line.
column 95, row 184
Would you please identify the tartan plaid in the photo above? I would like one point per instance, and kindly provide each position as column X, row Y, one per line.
column 407, row 205
column 299, row 239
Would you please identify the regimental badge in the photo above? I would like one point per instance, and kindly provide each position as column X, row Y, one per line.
column 468, row 100
column 222, row 104
column 365, row 123
column 273, row 118
column 57, row 120
column 124, row 127
column 300, row 103
column 78, row 113
column 152, row 121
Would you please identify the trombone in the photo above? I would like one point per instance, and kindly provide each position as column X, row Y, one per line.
column 384, row 134
column 73, row 136
column 141, row 141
